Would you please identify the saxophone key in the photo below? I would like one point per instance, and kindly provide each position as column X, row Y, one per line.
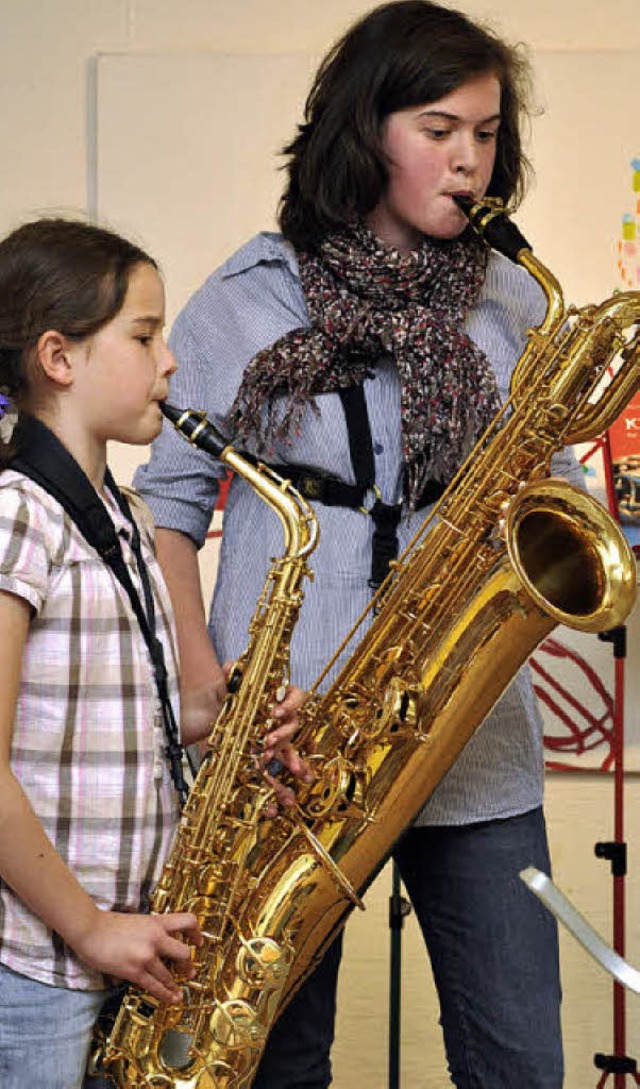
column 235, row 1025
column 262, row 962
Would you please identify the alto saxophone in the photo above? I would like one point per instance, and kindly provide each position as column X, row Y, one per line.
column 507, row 554
column 214, row 1037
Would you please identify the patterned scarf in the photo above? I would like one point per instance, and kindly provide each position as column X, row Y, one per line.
column 366, row 301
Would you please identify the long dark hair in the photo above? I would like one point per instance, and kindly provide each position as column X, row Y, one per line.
column 401, row 54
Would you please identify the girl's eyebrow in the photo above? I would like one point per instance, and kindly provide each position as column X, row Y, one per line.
column 147, row 319
column 445, row 116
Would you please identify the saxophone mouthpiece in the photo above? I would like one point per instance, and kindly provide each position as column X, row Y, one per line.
column 196, row 428
column 172, row 413
column 465, row 204
column 489, row 218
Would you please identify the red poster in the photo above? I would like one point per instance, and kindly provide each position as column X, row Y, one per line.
column 624, row 439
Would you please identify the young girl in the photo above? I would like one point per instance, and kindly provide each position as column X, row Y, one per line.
column 87, row 805
column 377, row 287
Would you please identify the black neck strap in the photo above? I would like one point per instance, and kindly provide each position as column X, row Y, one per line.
column 356, row 417
column 384, row 544
column 43, row 458
column 321, row 487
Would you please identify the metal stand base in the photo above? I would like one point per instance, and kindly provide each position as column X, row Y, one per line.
column 399, row 908
column 620, row 1066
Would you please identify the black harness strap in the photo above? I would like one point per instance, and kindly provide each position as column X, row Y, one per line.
column 356, row 417
column 43, row 458
column 384, row 544
column 321, row 487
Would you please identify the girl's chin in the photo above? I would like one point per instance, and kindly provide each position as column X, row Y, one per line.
column 144, row 433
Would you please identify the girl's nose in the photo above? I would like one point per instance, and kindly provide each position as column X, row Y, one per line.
column 465, row 154
column 168, row 363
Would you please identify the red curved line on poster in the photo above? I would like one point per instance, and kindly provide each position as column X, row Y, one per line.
column 580, row 738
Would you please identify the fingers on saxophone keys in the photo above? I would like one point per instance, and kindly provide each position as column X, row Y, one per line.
column 278, row 755
column 284, row 795
column 287, row 702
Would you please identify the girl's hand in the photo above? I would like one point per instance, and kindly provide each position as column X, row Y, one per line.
column 277, row 743
column 278, row 747
column 200, row 707
column 138, row 948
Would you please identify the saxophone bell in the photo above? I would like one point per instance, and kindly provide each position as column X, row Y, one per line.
column 574, row 562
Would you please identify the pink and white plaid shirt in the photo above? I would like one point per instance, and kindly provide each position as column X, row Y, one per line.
column 88, row 739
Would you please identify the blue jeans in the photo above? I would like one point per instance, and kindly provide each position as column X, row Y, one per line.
column 45, row 1032
column 494, row 953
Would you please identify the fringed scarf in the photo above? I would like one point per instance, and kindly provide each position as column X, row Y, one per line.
column 366, row 301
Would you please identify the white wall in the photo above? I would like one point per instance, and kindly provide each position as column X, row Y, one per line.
column 45, row 51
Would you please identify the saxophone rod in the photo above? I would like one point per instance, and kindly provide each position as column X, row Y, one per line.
column 560, row 906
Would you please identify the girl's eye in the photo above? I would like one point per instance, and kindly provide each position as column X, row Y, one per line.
column 144, row 340
column 437, row 134
column 485, row 136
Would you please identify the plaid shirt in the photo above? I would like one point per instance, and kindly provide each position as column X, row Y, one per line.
column 88, row 737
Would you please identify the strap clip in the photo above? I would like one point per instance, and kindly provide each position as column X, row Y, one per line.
column 377, row 496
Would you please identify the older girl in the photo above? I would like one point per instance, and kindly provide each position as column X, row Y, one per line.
column 370, row 344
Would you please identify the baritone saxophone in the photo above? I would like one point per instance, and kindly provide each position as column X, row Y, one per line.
column 507, row 554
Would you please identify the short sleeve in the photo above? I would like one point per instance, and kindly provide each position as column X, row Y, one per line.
column 25, row 560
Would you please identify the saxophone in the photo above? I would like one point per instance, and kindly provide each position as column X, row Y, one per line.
column 203, row 1041
column 508, row 553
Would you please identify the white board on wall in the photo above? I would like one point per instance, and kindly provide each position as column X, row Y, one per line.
column 187, row 152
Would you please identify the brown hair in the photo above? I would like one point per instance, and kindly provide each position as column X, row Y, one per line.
column 401, row 54
column 57, row 274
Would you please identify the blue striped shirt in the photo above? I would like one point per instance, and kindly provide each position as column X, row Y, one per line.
column 252, row 300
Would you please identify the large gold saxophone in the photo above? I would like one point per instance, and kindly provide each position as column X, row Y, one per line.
column 508, row 554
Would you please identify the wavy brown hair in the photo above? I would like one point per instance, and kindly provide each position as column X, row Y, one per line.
column 401, row 54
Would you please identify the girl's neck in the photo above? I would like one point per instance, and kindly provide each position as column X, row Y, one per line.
column 90, row 453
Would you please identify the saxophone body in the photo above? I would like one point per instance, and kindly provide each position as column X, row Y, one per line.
column 508, row 554
column 215, row 1036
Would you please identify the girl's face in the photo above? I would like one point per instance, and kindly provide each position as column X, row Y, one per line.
column 126, row 366
column 433, row 152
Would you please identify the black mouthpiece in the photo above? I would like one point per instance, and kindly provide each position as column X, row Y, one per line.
column 172, row 413
column 196, row 428
column 465, row 204
column 492, row 223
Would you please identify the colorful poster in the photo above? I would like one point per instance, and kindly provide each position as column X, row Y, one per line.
column 574, row 674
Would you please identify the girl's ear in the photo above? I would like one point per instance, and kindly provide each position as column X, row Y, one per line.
column 53, row 358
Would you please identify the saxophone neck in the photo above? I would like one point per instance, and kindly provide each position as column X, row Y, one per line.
column 299, row 522
column 584, row 348
column 556, row 311
column 491, row 220
column 296, row 515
